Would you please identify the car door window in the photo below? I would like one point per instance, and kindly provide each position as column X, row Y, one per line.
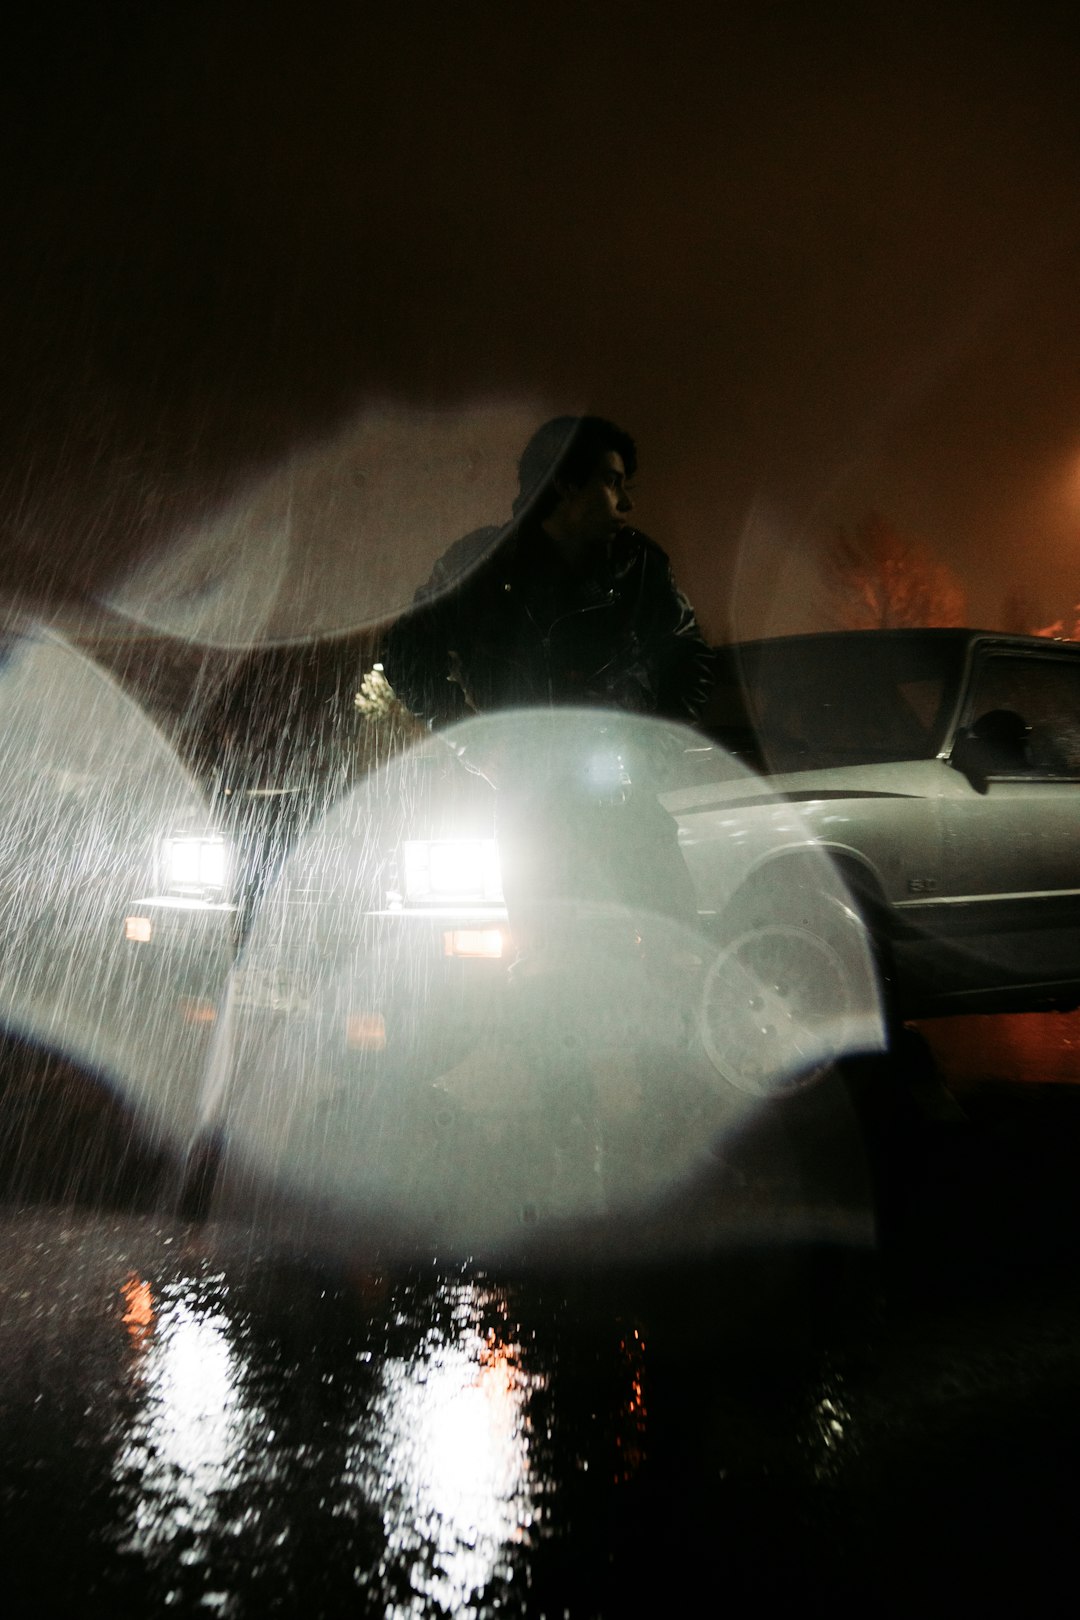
column 1046, row 693
column 1011, row 867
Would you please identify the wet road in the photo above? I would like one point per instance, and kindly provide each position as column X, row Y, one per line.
column 197, row 1420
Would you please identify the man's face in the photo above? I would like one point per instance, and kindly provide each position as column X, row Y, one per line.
column 594, row 513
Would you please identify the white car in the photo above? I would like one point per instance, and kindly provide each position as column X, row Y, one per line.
column 940, row 772
column 913, row 795
column 874, row 826
column 909, row 797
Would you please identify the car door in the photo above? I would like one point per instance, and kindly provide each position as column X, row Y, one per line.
column 1011, row 896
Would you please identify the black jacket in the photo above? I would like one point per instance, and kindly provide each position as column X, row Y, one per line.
column 504, row 623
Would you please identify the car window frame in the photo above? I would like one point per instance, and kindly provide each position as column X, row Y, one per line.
column 982, row 651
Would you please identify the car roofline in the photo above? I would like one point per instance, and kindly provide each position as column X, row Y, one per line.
column 940, row 633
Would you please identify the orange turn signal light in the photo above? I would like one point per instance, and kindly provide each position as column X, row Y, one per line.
column 474, row 942
column 193, row 1011
column 365, row 1032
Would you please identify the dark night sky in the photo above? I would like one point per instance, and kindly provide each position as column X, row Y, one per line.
column 290, row 285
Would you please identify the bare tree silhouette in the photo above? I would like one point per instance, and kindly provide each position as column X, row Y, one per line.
column 880, row 580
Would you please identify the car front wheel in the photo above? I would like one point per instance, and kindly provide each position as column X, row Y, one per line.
column 791, row 990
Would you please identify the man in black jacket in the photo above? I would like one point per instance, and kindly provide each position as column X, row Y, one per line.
column 566, row 605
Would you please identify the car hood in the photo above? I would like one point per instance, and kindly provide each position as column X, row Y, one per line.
column 893, row 779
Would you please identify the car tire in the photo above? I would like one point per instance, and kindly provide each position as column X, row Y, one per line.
column 791, row 990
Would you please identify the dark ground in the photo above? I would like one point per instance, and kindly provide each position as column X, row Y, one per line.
column 194, row 1420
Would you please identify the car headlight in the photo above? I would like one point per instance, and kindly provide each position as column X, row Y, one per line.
column 448, row 869
column 197, row 866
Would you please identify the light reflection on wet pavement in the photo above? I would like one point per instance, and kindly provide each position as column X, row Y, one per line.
column 198, row 1427
column 193, row 1423
column 207, row 1428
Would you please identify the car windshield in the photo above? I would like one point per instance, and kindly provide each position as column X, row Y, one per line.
column 810, row 702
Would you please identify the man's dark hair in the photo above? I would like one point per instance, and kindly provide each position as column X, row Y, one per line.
column 566, row 451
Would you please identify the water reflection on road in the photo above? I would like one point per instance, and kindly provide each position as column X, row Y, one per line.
column 193, row 1422
column 437, row 1443
column 445, row 1453
column 186, row 1442
column 238, row 1433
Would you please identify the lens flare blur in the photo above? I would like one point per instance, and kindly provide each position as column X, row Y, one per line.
column 442, row 1066
column 96, row 965
column 281, row 560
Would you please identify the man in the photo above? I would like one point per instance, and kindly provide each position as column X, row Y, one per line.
column 565, row 605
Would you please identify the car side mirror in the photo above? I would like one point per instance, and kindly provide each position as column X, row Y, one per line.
column 996, row 744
